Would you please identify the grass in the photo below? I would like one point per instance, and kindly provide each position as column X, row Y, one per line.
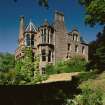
column 93, row 81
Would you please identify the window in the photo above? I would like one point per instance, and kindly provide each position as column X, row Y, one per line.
column 83, row 50
column 51, row 38
column 67, row 55
column 76, row 48
column 69, row 47
column 48, row 36
column 27, row 40
column 44, row 36
column 73, row 37
column 32, row 40
column 49, row 56
column 43, row 55
column 43, row 70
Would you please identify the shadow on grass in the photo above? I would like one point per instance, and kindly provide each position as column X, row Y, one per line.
column 41, row 94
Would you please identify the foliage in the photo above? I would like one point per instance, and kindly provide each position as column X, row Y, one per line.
column 22, row 71
column 87, row 97
column 95, row 11
column 97, row 52
column 27, row 70
column 7, row 61
column 75, row 64
column 87, row 75
column 7, row 78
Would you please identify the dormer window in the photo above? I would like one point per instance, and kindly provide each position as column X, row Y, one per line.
column 75, row 37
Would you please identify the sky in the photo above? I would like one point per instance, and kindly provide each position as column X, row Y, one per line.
column 10, row 12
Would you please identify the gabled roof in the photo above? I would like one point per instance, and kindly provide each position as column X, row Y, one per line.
column 31, row 27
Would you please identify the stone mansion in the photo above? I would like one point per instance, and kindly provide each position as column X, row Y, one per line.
column 52, row 42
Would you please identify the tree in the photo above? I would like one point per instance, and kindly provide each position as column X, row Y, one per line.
column 7, row 78
column 27, row 69
column 97, row 52
column 95, row 11
column 100, row 50
column 7, row 61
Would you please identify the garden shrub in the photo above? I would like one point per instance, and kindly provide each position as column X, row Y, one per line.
column 87, row 97
column 75, row 64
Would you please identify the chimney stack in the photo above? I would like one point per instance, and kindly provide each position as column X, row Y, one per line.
column 59, row 16
column 21, row 30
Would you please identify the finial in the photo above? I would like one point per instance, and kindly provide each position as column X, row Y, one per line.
column 75, row 28
column 45, row 22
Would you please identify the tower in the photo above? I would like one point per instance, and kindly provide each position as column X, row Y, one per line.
column 60, row 42
column 46, row 45
column 26, row 38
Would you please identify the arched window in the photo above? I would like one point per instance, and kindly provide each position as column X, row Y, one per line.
column 43, row 55
column 27, row 39
column 75, row 37
column 69, row 46
column 32, row 40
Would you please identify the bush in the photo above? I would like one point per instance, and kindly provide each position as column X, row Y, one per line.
column 75, row 64
column 87, row 75
column 87, row 97
column 7, row 61
column 7, row 78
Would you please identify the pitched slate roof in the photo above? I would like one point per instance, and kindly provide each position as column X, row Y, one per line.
column 31, row 27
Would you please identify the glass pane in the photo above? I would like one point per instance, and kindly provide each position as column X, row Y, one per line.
column 27, row 40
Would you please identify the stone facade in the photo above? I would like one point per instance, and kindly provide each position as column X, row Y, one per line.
column 51, row 42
